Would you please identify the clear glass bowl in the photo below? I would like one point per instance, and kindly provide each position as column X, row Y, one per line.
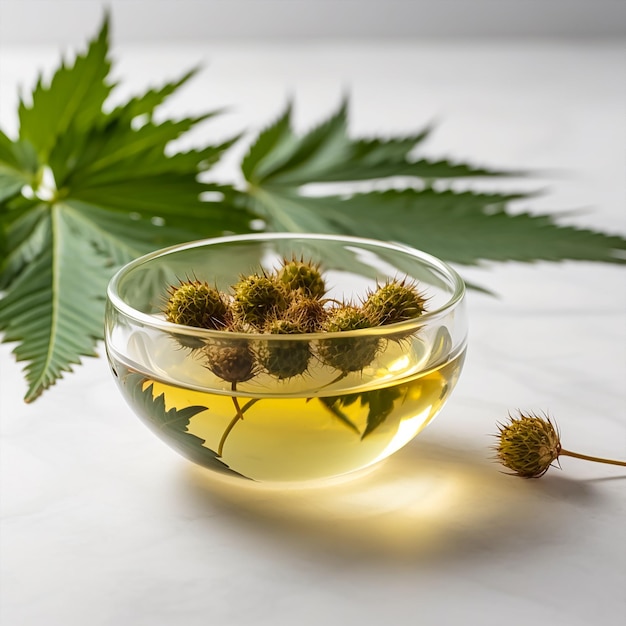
column 328, row 420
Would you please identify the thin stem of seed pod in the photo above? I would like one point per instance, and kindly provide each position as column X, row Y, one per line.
column 238, row 416
column 586, row 457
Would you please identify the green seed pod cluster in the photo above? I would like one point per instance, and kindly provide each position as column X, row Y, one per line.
column 288, row 301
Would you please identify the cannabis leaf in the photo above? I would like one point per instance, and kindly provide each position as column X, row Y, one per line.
column 173, row 422
column 379, row 403
column 83, row 191
column 335, row 404
column 462, row 227
column 85, row 188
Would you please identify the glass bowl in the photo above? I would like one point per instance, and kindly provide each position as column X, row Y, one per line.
column 358, row 395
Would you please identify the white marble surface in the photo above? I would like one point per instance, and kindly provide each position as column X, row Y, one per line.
column 104, row 525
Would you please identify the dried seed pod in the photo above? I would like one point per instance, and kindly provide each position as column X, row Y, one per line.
column 528, row 445
column 350, row 354
column 307, row 313
column 303, row 276
column 395, row 301
column 231, row 360
column 259, row 298
column 195, row 303
column 284, row 359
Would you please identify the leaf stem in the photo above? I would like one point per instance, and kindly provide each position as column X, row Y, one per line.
column 238, row 416
column 586, row 457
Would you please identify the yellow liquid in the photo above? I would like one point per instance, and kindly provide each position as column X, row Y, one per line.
column 285, row 439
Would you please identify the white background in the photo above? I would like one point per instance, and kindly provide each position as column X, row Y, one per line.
column 102, row 525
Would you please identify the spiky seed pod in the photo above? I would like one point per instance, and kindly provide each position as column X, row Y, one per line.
column 308, row 313
column 259, row 298
column 347, row 355
column 195, row 303
column 232, row 361
column 346, row 317
column 303, row 276
column 284, row 359
column 528, row 445
column 285, row 327
column 395, row 301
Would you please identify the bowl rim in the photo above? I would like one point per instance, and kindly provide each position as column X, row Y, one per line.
column 147, row 319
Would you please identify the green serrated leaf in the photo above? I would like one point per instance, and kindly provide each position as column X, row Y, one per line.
column 173, row 198
column 151, row 163
column 347, row 160
column 26, row 238
column 54, row 308
column 119, row 195
column 463, row 227
column 380, row 403
column 334, row 405
column 117, row 147
column 173, row 423
column 18, row 166
column 121, row 238
column 376, row 151
column 278, row 155
column 271, row 147
column 444, row 168
column 74, row 96
column 7, row 156
column 146, row 103
column 11, row 183
column 424, row 169
column 26, row 156
column 311, row 154
column 326, row 154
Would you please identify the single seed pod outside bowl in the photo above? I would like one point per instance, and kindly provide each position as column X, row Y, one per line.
column 528, row 445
